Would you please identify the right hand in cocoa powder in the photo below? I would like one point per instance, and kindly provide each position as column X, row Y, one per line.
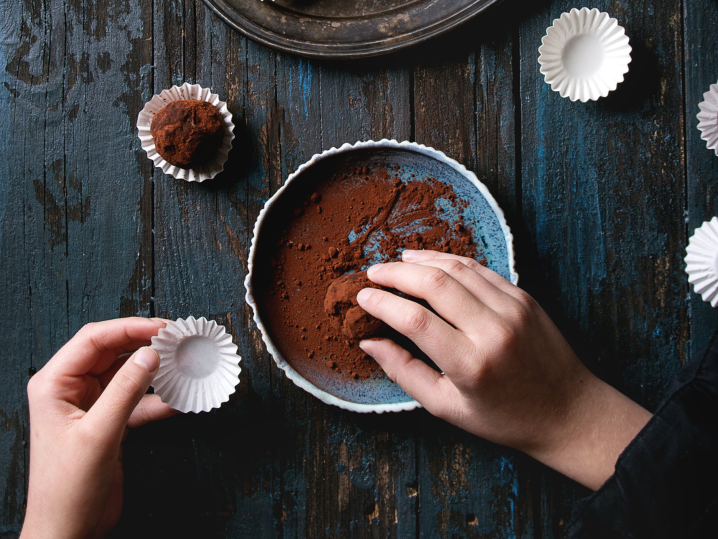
column 509, row 375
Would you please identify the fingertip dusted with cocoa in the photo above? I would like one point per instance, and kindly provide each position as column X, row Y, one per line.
column 344, row 311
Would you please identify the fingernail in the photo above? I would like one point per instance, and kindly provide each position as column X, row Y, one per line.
column 373, row 269
column 364, row 294
column 362, row 345
column 408, row 255
column 146, row 357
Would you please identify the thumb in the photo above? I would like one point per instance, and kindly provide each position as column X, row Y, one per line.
column 111, row 412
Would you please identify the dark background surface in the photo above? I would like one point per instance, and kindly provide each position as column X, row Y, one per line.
column 601, row 198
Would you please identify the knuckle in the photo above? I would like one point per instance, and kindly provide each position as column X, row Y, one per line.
column 472, row 370
column 474, row 265
column 374, row 300
column 434, row 279
column 505, row 337
column 127, row 384
column 144, row 414
column 454, row 266
column 87, row 435
column 417, row 321
column 89, row 331
column 524, row 299
column 396, row 376
column 34, row 387
column 524, row 309
column 519, row 314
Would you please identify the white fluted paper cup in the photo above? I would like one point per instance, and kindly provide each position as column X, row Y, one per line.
column 200, row 173
column 702, row 261
column 584, row 55
column 199, row 365
column 708, row 118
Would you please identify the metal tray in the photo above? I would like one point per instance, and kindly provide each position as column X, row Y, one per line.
column 344, row 28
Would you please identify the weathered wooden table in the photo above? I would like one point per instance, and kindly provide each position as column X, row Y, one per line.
column 601, row 198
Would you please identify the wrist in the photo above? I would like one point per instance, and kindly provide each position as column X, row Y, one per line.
column 596, row 426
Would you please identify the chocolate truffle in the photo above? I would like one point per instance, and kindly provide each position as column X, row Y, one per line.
column 187, row 133
column 343, row 309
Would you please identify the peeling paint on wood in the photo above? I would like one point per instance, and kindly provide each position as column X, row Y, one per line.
column 601, row 198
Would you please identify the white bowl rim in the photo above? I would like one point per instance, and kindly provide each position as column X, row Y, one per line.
column 292, row 374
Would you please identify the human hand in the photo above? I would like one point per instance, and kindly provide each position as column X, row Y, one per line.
column 510, row 376
column 81, row 406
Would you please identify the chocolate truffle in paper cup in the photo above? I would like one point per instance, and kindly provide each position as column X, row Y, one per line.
column 708, row 118
column 702, row 261
column 584, row 55
column 199, row 365
column 187, row 132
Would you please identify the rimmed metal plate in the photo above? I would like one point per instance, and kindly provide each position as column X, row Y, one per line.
column 345, row 28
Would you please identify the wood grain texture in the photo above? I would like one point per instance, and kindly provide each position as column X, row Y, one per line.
column 464, row 105
column 362, row 467
column 601, row 198
column 701, row 70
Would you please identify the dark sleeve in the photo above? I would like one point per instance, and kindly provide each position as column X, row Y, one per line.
column 666, row 480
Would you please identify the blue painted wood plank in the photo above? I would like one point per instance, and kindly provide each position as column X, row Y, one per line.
column 603, row 200
column 16, row 321
column 200, row 262
column 34, row 220
column 701, row 70
column 596, row 194
column 75, row 241
column 299, row 137
column 464, row 106
column 364, row 466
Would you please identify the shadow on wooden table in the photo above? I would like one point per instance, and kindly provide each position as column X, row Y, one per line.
column 642, row 81
column 496, row 22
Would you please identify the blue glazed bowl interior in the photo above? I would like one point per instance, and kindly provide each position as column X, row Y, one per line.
column 478, row 217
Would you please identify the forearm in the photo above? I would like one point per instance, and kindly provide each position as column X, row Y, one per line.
column 597, row 427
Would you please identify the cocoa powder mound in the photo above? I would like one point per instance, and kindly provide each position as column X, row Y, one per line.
column 343, row 225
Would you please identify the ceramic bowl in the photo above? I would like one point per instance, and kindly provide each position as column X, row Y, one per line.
column 489, row 229
column 584, row 55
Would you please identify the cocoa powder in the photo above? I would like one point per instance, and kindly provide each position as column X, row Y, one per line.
column 343, row 225
column 188, row 132
column 343, row 309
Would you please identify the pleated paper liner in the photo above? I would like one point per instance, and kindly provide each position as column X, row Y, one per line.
column 203, row 172
column 708, row 118
column 584, row 55
column 199, row 365
column 702, row 261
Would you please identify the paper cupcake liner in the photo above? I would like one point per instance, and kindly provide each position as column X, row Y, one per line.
column 708, row 118
column 702, row 261
column 584, row 55
column 207, row 171
column 199, row 365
